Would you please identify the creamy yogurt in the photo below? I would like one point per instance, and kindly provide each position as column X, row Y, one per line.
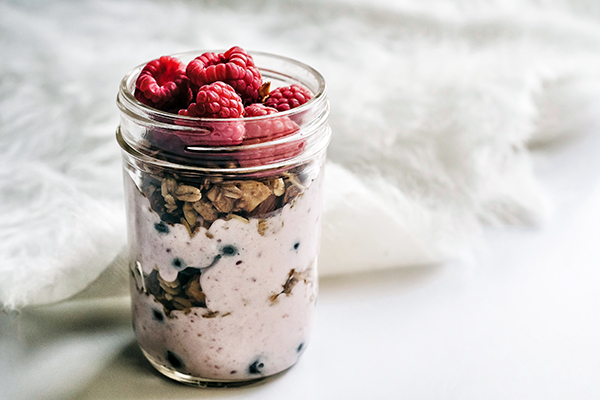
column 258, row 282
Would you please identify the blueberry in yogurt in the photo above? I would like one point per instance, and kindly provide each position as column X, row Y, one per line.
column 161, row 228
column 174, row 360
column 256, row 367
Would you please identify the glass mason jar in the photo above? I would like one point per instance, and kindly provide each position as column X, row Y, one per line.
column 223, row 241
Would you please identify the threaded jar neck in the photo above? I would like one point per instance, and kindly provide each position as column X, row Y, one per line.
column 171, row 140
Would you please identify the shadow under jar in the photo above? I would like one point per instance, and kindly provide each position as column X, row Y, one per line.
column 223, row 241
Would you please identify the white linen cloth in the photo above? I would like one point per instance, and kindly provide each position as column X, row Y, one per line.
column 436, row 107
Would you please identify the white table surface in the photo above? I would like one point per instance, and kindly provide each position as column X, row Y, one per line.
column 520, row 322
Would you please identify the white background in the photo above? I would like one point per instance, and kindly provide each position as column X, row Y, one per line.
column 520, row 321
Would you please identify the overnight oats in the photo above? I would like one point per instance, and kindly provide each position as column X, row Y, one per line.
column 223, row 168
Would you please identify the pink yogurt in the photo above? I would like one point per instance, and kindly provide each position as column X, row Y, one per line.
column 259, row 277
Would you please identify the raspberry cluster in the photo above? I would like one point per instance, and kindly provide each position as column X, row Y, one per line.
column 220, row 85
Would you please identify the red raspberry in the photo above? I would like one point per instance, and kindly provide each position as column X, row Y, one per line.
column 267, row 129
column 264, row 130
column 288, row 97
column 258, row 109
column 235, row 67
column 163, row 84
column 217, row 100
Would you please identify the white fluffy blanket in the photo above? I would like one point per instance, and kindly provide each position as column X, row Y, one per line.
column 435, row 107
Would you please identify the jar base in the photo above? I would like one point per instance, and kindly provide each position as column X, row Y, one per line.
column 206, row 382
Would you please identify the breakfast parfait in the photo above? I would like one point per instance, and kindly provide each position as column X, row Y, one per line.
column 223, row 160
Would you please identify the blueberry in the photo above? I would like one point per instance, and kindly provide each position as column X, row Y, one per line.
column 161, row 228
column 256, row 367
column 296, row 245
column 178, row 263
column 157, row 315
column 229, row 250
column 174, row 360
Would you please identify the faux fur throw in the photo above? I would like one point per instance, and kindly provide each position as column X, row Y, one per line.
column 435, row 105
